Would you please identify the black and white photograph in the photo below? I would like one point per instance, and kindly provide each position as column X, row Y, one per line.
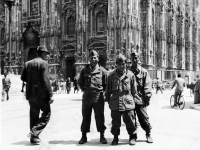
column 100, row 74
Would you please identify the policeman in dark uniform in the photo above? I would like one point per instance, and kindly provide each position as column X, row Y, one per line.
column 144, row 90
column 92, row 82
column 38, row 92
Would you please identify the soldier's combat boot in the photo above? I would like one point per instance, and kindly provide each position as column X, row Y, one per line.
column 103, row 139
column 149, row 138
column 83, row 139
column 34, row 139
column 132, row 139
column 115, row 140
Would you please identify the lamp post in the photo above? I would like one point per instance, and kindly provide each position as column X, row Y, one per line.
column 9, row 4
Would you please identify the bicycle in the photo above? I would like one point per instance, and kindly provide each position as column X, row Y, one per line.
column 180, row 101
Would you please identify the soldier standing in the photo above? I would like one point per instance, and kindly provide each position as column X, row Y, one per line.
column 144, row 90
column 38, row 93
column 121, row 91
column 92, row 82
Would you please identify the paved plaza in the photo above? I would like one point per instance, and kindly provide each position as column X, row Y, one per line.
column 173, row 129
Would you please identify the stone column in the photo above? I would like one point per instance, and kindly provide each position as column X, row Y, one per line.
column 190, row 47
column 162, row 34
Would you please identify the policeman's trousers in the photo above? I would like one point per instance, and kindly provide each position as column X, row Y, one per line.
column 37, row 124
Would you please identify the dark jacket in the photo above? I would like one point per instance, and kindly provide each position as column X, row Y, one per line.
column 144, row 85
column 92, row 82
column 121, row 91
column 35, row 74
column 6, row 83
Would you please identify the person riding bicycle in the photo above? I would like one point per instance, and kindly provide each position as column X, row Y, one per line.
column 180, row 84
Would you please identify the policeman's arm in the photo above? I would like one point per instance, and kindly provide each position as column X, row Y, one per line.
column 81, row 80
column 147, row 85
column 45, row 78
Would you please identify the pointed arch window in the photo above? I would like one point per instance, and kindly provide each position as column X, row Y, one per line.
column 100, row 23
column 2, row 35
column 70, row 25
column 34, row 7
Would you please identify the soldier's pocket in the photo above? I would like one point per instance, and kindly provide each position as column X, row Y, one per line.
column 115, row 84
column 98, row 79
column 87, row 79
column 126, row 85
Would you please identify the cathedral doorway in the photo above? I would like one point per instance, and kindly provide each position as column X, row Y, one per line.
column 70, row 68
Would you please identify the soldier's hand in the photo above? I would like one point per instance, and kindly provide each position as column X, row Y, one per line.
column 147, row 103
column 51, row 100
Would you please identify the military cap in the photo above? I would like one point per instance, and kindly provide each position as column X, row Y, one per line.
column 121, row 58
column 135, row 54
column 42, row 48
column 93, row 53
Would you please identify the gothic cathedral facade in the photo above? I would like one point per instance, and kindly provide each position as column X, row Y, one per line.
column 166, row 33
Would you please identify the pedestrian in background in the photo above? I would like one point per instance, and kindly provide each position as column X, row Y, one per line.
column 5, row 87
column 197, row 92
column 180, row 84
column 121, row 91
column 144, row 90
column 76, row 85
column 68, row 85
column 158, row 86
column 92, row 82
column 39, row 93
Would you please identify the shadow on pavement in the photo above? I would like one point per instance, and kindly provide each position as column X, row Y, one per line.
column 24, row 143
column 77, row 99
column 93, row 142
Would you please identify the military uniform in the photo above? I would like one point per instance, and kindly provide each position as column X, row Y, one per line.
column 92, row 82
column 38, row 93
column 120, row 94
column 144, row 90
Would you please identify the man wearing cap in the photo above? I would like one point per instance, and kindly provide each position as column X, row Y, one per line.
column 92, row 82
column 144, row 90
column 129, row 64
column 121, row 91
column 38, row 92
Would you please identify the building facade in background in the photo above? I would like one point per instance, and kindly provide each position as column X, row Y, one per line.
column 166, row 33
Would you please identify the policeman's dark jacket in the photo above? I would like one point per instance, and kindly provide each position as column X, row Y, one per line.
column 121, row 91
column 35, row 74
column 93, row 80
column 144, row 85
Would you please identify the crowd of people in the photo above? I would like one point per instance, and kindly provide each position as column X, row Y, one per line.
column 64, row 86
column 127, row 87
